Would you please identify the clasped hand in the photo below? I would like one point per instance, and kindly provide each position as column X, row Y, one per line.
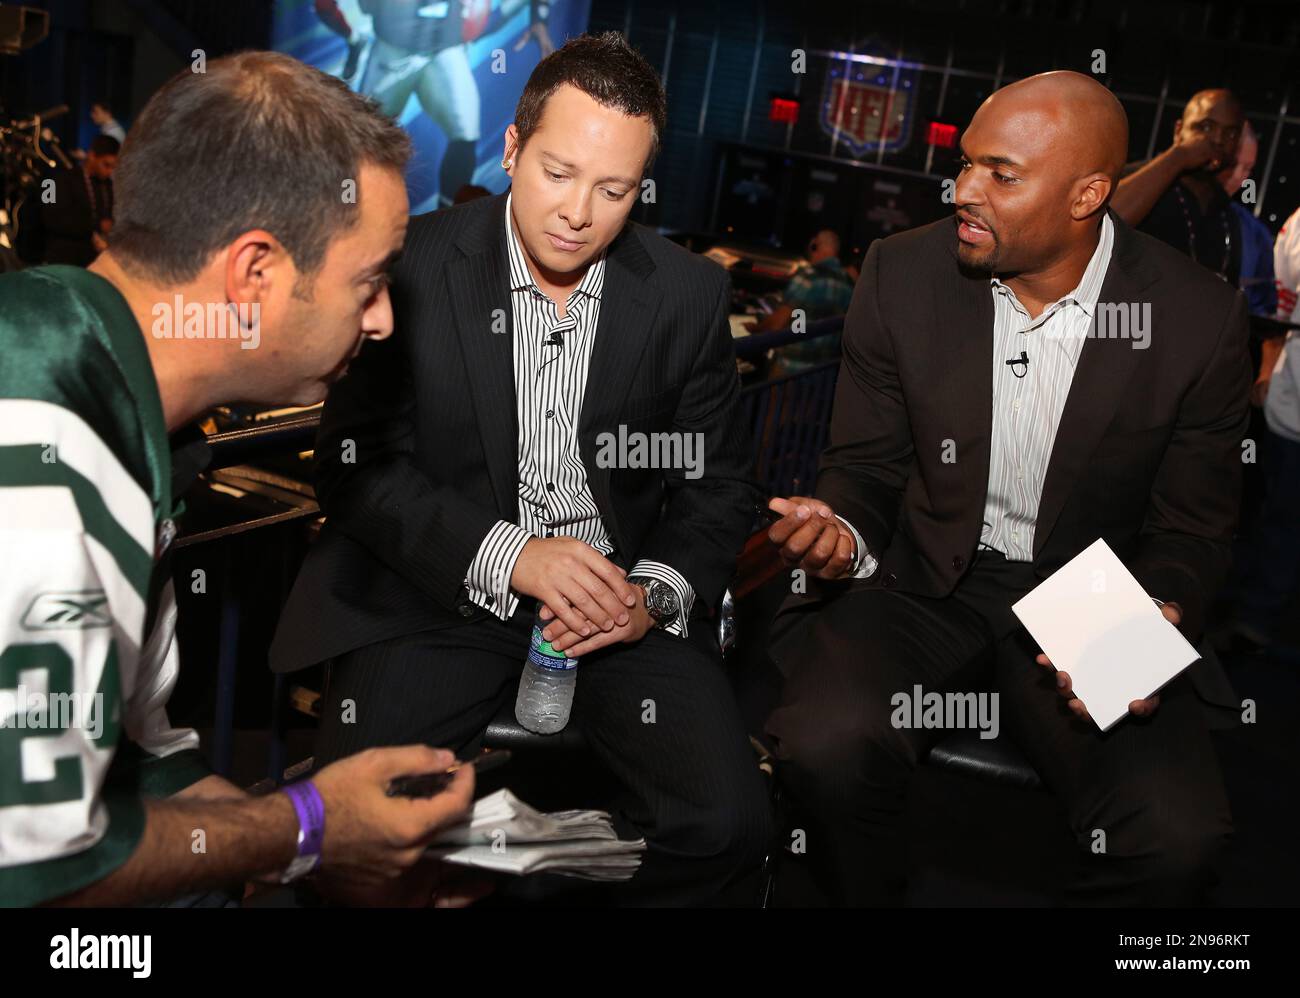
column 586, row 597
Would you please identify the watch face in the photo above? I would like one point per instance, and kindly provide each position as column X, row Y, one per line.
column 660, row 599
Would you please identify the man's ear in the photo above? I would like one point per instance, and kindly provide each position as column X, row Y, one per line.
column 511, row 152
column 254, row 261
column 1092, row 195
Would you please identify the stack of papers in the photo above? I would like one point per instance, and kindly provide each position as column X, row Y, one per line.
column 1095, row 622
column 506, row 835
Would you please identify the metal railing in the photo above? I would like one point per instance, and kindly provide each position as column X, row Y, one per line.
column 789, row 416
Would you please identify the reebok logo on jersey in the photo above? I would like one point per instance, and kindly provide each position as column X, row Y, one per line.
column 68, row 611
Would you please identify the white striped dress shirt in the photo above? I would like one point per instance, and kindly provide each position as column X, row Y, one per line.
column 551, row 360
column 1027, row 410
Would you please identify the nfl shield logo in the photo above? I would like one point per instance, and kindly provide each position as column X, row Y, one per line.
column 860, row 108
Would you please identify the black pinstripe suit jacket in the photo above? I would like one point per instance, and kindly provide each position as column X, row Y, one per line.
column 416, row 457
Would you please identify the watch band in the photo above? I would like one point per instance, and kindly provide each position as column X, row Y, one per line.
column 309, row 807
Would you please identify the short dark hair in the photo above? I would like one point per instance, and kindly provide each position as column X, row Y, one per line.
column 105, row 145
column 605, row 68
column 258, row 141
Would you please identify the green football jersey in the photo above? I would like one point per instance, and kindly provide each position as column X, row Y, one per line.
column 87, row 619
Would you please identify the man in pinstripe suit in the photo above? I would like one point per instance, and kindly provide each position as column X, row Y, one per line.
column 466, row 482
column 987, row 428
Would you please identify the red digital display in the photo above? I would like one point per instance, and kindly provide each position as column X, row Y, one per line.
column 783, row 109
column 939, row 134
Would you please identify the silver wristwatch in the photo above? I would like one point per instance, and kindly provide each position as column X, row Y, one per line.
column 660, row 600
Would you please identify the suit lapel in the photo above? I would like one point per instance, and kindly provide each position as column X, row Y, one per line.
column 478, row 284
column 628, row 307
column 1105, row 367
column 627, row 311
column 965, row 349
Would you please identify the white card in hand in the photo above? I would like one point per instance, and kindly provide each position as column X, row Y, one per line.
column 1095, row 622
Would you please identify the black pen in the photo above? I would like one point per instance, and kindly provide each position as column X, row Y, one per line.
column 429, row 784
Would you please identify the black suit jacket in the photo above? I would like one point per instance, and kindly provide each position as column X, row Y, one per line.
column 1148, row 454
column 417, row 453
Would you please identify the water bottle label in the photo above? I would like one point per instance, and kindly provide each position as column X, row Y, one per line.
column 542, row 655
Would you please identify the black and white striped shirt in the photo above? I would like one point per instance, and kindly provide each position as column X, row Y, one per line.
column 551, row 360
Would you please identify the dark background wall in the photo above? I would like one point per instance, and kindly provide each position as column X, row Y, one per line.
column 724, row 60
column 724, row 164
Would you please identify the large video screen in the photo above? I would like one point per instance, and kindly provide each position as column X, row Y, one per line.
column 449, row 71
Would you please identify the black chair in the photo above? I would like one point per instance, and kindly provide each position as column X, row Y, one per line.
column 995, row 759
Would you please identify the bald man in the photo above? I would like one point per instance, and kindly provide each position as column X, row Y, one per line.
column 989, row 424
column 1177, row 196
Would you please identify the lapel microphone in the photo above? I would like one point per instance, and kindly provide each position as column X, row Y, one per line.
column 1015, row 362
column 556, row 339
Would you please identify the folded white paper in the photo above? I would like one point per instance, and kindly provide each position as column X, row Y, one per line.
column 1095, row 622
column 504, row 834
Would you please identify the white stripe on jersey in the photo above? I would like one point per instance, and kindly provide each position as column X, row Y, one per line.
column 32, row 421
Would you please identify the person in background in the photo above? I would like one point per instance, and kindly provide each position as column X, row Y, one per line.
column 108, row 125
column 1257, row 284
column 1273, row 570
column 820, row 288
column 1177, row 196
column 73, row 227
column 1256, row 281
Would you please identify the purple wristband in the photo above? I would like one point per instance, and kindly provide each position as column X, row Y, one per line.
column 311, row 816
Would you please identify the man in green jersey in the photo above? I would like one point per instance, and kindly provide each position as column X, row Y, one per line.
column 258, row 207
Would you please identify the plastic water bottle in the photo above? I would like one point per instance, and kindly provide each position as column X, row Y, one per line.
column 546, row 686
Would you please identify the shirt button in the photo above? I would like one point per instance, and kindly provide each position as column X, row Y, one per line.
column 550, row 413
column 550, row 486
column 958, row 562
column 550, row 533
column 1015, row 405
column 490, row 600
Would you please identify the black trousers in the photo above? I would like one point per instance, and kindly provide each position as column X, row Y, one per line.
column 1145, row 801
column 691, row 782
